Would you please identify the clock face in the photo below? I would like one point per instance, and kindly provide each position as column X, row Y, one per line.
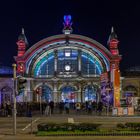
column 67, row 67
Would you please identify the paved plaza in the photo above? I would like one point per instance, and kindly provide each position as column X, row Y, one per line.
column 24, row 126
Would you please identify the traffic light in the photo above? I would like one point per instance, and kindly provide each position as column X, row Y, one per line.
column 21, row 84
column 38, row 90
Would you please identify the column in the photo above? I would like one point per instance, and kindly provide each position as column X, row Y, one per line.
column 82, row 93
column 55, row 96
column 79, row 94
column 79, row 62
column 0, row 99
column 29, row 92
column 55, row 62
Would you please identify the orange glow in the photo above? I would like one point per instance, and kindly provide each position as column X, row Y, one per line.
column 116, row 88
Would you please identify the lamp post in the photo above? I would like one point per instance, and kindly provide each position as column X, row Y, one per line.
column 14, row 99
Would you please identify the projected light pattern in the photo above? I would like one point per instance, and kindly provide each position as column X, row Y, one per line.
column 89, row 64
column 90, row 93
column 45, row 66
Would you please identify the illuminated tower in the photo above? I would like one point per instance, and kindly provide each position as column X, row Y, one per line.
column 114, row 66
column 22, row 45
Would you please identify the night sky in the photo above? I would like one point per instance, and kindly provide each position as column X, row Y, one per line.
column 91, row 18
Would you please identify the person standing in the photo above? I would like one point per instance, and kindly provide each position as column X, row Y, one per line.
column 47, row 110
column 51, row 104
column 78, row 107
column 61, row 107
column 67, row 107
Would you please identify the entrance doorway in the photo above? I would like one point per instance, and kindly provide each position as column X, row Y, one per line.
column 6, row 95
column 68, row 94
column 44, row 93
column 90, row 93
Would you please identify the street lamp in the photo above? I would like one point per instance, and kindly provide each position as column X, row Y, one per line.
column 14, row 99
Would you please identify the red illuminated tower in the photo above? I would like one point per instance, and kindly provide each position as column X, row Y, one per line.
column 114, row 66
column 113, row 42
column 22, row 45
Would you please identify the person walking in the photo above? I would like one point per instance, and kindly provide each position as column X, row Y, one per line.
column 67, row 107
column 51, row 104
column 61, row 107
column 47, row 110
column 78, row 107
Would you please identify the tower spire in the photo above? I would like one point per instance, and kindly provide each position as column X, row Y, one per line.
column 22, row 43
column 113, row 42
column 22, row 31
column 23, row 37
column 112, row 29
column 113, row 35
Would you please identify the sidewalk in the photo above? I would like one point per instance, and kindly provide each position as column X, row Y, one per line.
column 32, row 137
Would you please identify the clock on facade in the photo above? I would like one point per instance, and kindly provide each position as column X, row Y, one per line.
column 67, row 67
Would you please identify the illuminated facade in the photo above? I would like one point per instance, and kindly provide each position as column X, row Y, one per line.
column 68, row 67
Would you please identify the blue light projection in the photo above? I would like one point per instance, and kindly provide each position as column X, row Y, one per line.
column 68, row 94
column 105, row 60
column 90, row 93
column 90, row 64
column 41, row 67
column 46, row 93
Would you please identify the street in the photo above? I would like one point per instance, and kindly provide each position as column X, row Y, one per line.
column 25, row 127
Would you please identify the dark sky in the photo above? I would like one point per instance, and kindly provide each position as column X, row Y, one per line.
column 91, row 18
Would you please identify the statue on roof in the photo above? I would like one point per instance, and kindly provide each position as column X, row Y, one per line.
column 67, row 24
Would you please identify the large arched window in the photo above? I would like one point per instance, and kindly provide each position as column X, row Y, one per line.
column 67, row 63
column 90, row 65
column 45, row 66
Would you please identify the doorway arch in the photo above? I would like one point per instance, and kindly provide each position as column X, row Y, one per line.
column 45, row 92
column 68, row 93
column 6, row 94
column 91, row 93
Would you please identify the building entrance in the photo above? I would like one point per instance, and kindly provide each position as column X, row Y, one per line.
column 44, row 92
column 68, row 94
column 6, row 95
column 90, row 93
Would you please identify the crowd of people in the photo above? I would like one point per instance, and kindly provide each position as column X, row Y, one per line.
column 49, row 108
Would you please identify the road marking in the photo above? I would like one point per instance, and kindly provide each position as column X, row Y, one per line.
column 30, row 124
column 70, row 120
